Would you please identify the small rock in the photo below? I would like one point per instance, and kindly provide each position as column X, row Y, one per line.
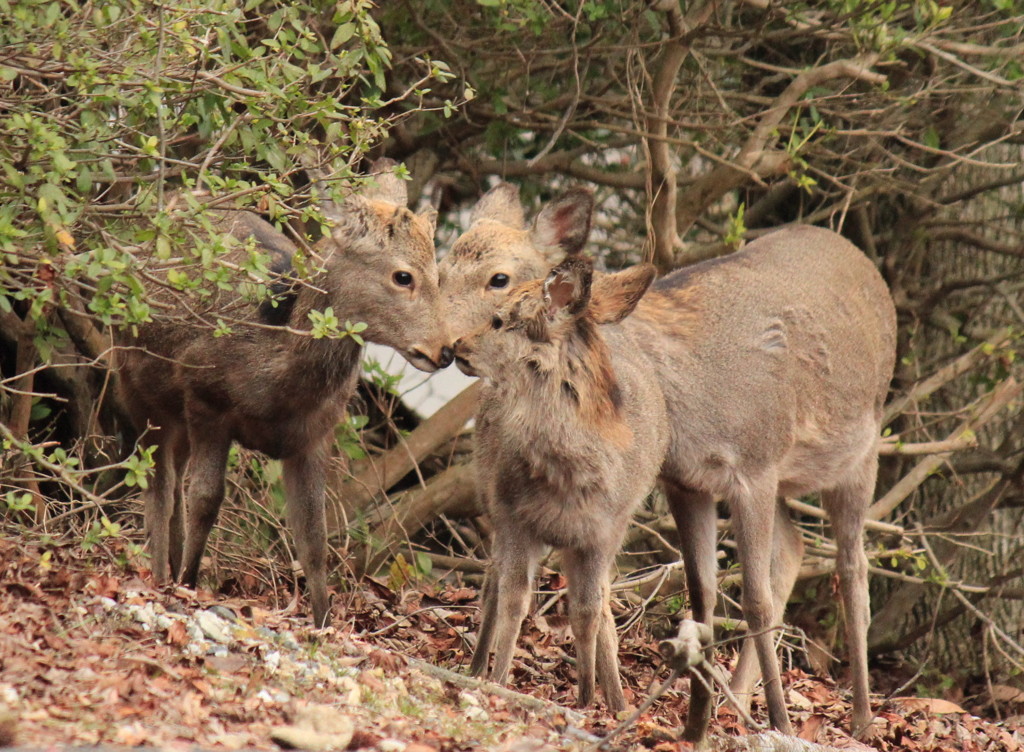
column 272, row 698
column 471, row 707
column 349, row 692
column 476, row 713
column 163, row 621
column 213, row 627
column 266, row 633
column 391, row 745
column 316, row 727
column 289, row 642
column 224, row 613
column 272, row 660
column 143, row 613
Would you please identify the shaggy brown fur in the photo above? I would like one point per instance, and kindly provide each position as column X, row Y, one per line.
column 271, row 388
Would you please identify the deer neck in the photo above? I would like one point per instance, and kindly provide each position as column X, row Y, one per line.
column 327, row 361
column 578, row 388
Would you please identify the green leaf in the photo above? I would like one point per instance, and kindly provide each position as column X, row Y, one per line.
column 342, row 34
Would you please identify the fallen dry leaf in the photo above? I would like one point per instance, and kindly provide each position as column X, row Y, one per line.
column 177, row 634
column 1006, row 693
column 809, row 731
column 933, row 705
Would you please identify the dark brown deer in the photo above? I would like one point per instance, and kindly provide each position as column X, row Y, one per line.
column 570, row 435
column 774, row 363
column 271, row 386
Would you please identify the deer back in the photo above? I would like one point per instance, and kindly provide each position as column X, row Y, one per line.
column 776, row 357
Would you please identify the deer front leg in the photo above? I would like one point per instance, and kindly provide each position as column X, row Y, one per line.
column 160, row 507
column 514, row 565
column 204, row 497
column 753, row 517
column 787, row 554
column 177, row 531
column 696, row 521
column 304, row 479
column 590, row 616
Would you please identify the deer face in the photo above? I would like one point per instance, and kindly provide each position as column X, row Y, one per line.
column 384, row 272
column 529, row 331
column 498, row 252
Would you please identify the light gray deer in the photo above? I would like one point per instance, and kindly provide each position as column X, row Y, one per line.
column 570, row 435
column 774, row 363
column 271, row 386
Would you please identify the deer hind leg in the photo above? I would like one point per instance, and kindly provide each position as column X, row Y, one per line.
column 304, row 481
column 160, row 504
column 787, row 554
column 590, row 616
column 485, row 637
column 696, row 520
column 204, row 497
column 847, row 506
column 513, row 567
column 753, row 516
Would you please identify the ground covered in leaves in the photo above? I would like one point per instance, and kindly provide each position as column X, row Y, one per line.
column 91, row 653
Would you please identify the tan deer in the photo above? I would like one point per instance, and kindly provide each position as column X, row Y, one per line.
column 270, row 387
column 570, row 435
column 773, row 363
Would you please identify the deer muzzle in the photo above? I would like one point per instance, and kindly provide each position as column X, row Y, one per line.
column 462, row 354
column 419, row 358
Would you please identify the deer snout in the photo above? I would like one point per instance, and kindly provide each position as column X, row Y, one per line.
column 419, row 357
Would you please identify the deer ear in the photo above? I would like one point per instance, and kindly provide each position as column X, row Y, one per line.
column 615, row 295
column 385, row 185
column 500, row 204
column 567, row 287
column 563, row 225
column 351, row 219
column 430, row 217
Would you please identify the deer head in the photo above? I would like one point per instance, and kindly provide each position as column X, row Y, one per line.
column 542, row 322
column 381, row 269
column 499, row 252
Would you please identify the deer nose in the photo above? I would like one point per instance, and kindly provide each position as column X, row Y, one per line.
column 457, row 343
column 447, row 356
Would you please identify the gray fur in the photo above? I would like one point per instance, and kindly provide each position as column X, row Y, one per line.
column 562, row 467
column 772, row 365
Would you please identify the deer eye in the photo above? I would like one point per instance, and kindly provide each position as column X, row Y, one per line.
column 496, row 322
column 402, row 279
column 498, row 281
